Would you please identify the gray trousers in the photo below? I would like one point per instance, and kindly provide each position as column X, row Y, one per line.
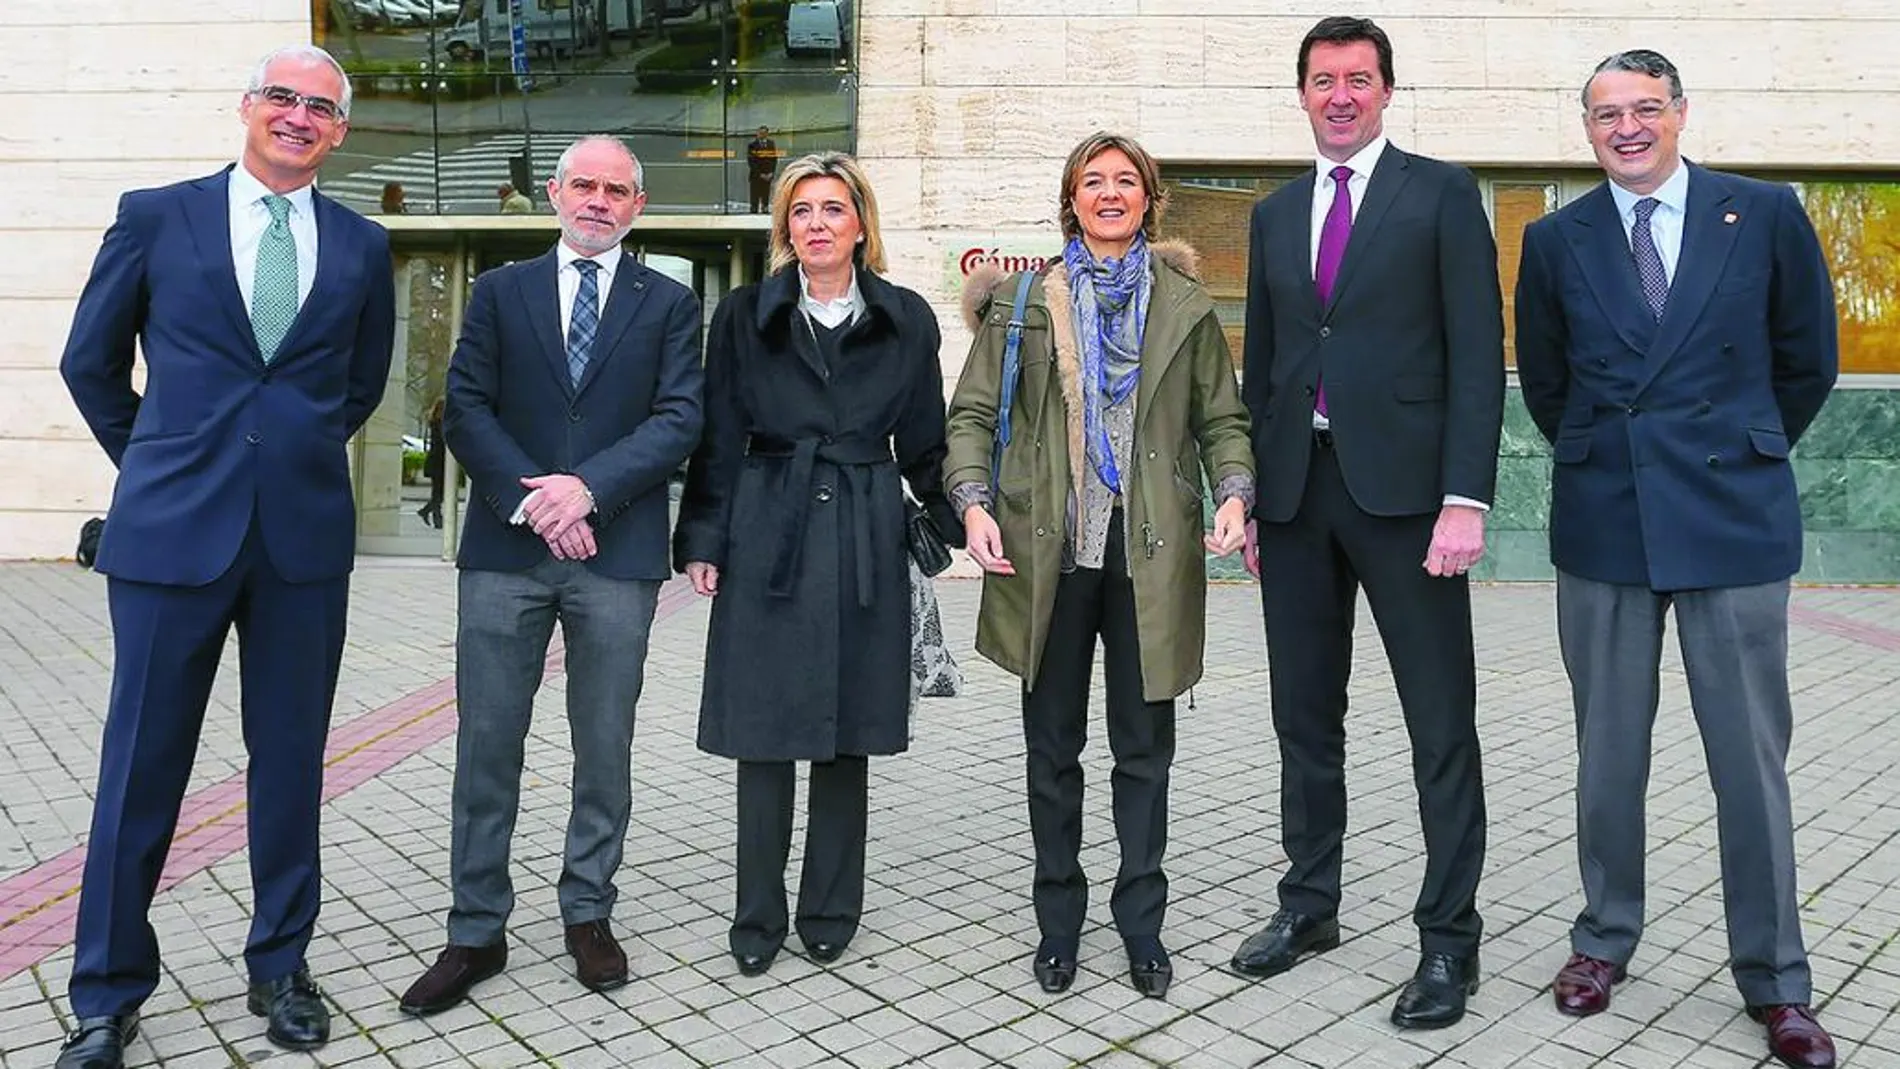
column 1735, row 653
column 504, row 622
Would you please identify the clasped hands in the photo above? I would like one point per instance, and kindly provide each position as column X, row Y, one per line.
column 556, row 508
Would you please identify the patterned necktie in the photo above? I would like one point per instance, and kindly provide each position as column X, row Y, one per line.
column 1649, row 265
column 585, row 321
column 274, row 284
column 1332, row 249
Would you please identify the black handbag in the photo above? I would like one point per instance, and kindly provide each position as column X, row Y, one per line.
column 925, row 542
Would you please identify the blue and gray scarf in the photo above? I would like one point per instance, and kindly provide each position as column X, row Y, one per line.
column 1111, row 314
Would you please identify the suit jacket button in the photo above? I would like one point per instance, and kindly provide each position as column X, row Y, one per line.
column 1714, row 461
column 1040, row 531
column 1633, row 410
column 1325, row 332
column 253, row 438
column 1603, row 361
column 574, row 417
column 823, row 494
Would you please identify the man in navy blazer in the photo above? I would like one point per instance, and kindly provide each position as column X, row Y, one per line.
column 574, row 393
column 265, row 313
column 1675, row 335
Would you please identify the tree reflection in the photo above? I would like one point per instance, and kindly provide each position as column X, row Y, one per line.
column 1859, row 227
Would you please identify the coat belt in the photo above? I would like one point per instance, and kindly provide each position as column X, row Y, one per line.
column 855, row 458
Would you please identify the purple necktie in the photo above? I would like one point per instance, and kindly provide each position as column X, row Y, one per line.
column 1332, row 249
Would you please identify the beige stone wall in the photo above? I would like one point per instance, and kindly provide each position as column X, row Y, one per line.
column 98, row 96
column 969, row 106
column 966, row 111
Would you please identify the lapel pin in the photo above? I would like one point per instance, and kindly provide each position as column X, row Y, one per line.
column 1729, row 218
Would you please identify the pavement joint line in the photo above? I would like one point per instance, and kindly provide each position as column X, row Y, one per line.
column 49, row 891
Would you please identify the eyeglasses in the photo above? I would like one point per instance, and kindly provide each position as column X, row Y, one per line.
column 286, row 99
column 1646, row 113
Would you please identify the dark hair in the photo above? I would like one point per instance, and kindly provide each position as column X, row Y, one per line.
column 1092, row 146
column 1343, row 30
column 1638, row 61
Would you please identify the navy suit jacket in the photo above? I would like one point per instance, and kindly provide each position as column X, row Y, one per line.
column 624, row 429
column 1671, row 438
column 219, row 439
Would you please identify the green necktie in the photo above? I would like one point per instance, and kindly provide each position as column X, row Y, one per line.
column 274, row 286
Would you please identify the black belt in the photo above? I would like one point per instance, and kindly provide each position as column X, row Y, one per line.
column 854, row 457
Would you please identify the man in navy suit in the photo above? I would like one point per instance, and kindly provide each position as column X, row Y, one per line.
column 265, row 312
column 1675, row 335
column 1375, row 378
column 574, row 393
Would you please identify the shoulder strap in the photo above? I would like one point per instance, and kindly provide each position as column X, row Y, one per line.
column 1012, row 372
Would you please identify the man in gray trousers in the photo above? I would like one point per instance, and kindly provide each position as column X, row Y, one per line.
column 1675, row 335
column 574, row 392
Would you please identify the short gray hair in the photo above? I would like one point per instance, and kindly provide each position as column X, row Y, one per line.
column 1638, row 61
column 309, row 54
column 567, row 159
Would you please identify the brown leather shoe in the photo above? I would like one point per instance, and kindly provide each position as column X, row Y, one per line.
column 1795, row 1037
column 1582, row 987
column 448, row 981
column 599, row 963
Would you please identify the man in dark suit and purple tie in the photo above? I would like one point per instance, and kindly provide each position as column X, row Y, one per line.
column 265, row 313
column 1375, row 378
column 1675, row 335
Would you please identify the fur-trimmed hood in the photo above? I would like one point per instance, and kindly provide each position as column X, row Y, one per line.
column 985, row 281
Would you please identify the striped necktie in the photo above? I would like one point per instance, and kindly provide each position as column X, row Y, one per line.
column 274, row 283
column 584, row 322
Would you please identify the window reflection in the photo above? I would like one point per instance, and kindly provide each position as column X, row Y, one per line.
column 445, row 123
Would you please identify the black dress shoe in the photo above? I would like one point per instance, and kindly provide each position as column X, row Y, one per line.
column 298, row 1018
column 753, row 964
column 457, row 969
column 1055, row 964
column 1287, row 938
column 1435, row 996
column 1149, row 969
column 825, row 952
column 98, row 1042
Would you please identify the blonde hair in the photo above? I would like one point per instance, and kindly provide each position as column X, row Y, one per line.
column 1094, row 145
column 870, row 252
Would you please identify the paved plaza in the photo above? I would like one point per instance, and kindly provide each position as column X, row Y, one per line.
column 939, row 974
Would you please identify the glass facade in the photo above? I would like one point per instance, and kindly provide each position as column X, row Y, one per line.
column 463, row 106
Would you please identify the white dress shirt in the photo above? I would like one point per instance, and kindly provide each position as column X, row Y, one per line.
column 568, row 280
column 249, row 220
column 830, row 313
column 1362, row 163
column 1324, row 190
column 1665, row 223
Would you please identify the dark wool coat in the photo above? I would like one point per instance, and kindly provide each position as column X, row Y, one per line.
column 794, row 494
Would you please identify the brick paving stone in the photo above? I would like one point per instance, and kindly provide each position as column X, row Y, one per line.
column 939, row 973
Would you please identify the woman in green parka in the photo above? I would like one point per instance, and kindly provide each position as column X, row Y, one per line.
column 1088, row 523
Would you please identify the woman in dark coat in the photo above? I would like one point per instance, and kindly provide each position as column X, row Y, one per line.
column 823, row 386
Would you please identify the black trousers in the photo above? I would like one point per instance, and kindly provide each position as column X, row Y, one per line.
column 1091, row 602
column 1311, row 570
column 831, row 887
